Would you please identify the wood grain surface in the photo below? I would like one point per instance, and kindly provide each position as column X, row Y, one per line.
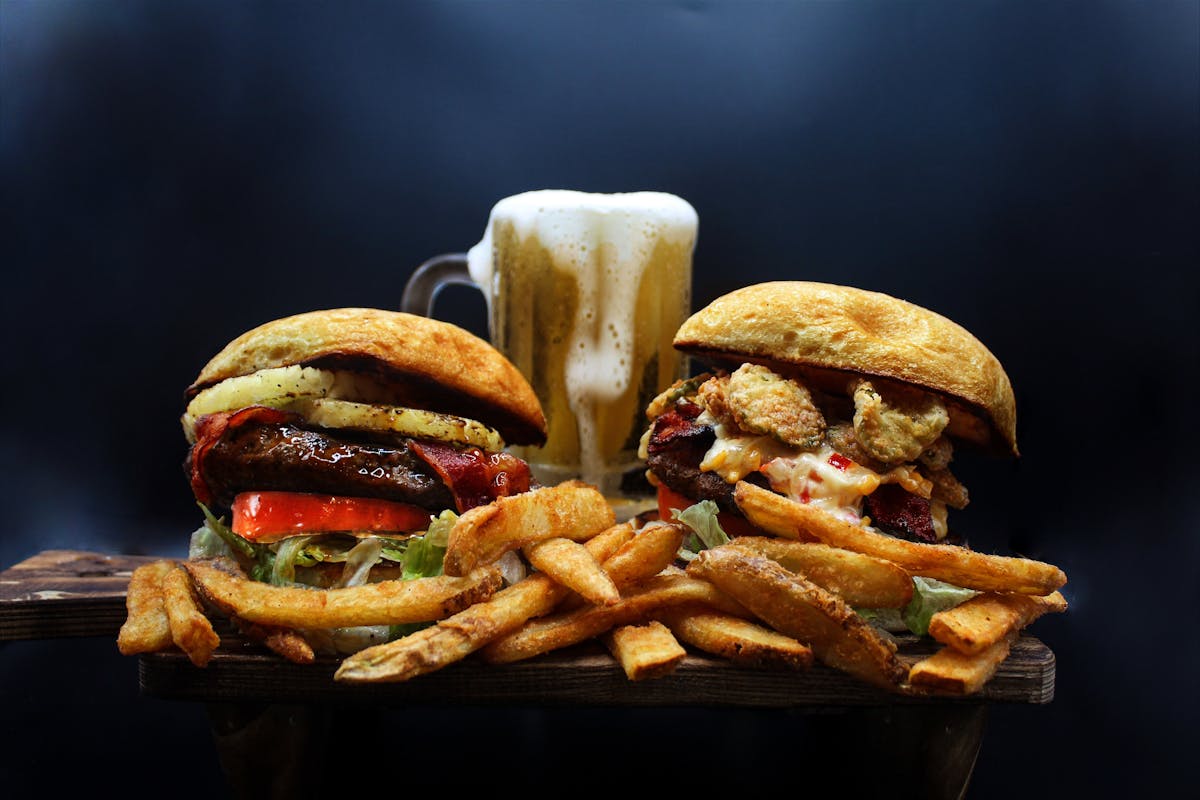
column 60, row 593
column 583, row 675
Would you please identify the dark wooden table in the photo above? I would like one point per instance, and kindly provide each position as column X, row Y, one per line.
column 256, row 699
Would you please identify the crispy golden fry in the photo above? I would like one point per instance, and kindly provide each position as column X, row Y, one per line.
column 987, row 618
column 383, row 603
column 572, row 509
column 645, row 651
column 799, row 608
column 862, row 581
column 648, row 553
column 146, row 628
column 286, row 642
column 644, row 555
column 570, row 564
column 456, row 637
column 953, row 672
column 642, row 601
column 190, row 629
column 951, row 563
column 739, row 640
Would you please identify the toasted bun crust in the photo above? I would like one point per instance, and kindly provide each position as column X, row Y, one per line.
column 433, row 364
column 828, row 333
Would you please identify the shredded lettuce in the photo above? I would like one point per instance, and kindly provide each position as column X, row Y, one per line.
column 929, row 597
column 215, row 538
column 706, row 530
column 424, row 554
column 359, row 561
column 283, row 568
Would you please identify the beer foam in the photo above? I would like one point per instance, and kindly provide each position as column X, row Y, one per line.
column 578, row 228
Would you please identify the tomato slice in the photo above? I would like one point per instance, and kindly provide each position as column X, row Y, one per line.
column 732, row 524
column 270, row 516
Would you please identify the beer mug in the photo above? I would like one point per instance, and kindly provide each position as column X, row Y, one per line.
column 584, row 295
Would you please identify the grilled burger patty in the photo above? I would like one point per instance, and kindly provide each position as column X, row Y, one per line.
column 676, row 447
column 285, row 457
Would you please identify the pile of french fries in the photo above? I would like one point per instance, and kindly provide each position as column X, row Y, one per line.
column 777, row 601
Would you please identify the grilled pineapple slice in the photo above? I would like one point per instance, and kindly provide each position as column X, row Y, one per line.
column 278, row 387
column 414, row 422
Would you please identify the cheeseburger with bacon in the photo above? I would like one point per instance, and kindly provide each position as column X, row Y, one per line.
column 343, row 443
column 847, row 400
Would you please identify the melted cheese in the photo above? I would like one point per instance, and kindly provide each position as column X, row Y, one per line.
column 735, row 457
column 811, row 478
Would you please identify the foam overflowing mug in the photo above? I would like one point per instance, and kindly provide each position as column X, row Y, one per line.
column 584, row 294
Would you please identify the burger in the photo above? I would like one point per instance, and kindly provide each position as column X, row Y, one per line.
column 337, row 447
column 850, row 401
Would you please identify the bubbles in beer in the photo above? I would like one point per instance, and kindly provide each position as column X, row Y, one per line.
column 605, row 245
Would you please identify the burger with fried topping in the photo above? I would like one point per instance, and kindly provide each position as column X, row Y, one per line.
column 848, row 400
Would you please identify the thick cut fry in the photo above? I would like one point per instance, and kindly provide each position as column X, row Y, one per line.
column 286, row 642
column 799, row 608
column 570, row 564
column 741, row 641
column 190, row 629
column 146, row 628
column 572, row 509
column 651, row 551
column 383, row 603
column 951, row 563
column 985, row 619
column 862, row 581
column 645, row 651
column 641, row 602
column 456, row 637
column 953, row 672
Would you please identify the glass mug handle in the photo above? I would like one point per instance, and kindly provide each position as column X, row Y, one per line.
column 421, row 291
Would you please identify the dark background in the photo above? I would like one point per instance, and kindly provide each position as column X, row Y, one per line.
column 176, row 173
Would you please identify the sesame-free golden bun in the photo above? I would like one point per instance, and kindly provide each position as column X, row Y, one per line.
column 827, row 334
column 429, row 363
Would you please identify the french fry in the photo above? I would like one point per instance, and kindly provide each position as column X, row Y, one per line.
column 648, row 553
column 640, row 602
column 190, row 629
column 738, row 640
column 953, row 672
column 146, row 628
column 456, row 637
column 645, row 651
column 383, row 603
column 571, row 509
column 862, row 581
column 799, row 608
column 286, row 642
column 985, row 619
column 950, row 563
column 570, row 564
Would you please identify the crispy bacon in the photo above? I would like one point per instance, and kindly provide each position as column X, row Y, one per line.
column 475, row 478
column 676, row 424
column 902, row 513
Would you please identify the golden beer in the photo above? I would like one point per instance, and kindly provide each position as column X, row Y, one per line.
column 585, row 293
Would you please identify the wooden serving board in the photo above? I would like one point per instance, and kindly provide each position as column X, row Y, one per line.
column 63, row 593
column 583, row 675
column 60, row 593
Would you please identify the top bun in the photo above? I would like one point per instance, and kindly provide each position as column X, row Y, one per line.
column 826, row 333
column 432, row 364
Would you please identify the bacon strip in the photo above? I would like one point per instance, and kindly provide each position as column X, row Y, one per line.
column 475, row 478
